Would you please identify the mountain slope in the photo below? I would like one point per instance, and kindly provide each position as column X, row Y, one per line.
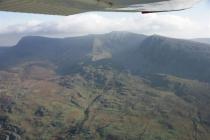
column 99, row 102
column 158, row 54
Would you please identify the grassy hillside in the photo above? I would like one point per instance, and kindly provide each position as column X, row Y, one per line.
column 101, row 103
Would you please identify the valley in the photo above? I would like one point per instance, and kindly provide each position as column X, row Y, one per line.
column 116, row 86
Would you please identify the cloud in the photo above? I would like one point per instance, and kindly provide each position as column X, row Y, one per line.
column 95, row 22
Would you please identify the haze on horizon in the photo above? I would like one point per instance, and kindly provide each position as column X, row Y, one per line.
column 181, row 24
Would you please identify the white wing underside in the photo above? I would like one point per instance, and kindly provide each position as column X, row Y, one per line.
column 69, row 7
column 171, row 5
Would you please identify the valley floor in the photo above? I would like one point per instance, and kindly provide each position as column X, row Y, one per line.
column 100, row 102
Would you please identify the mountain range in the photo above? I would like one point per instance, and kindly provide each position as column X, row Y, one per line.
column 136, row 53
column 112, row 86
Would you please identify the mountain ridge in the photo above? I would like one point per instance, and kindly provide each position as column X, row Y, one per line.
column 138, row 53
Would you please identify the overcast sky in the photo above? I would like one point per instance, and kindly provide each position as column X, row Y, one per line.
column 192, row 23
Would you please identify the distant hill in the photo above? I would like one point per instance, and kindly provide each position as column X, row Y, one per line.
column 202, row 40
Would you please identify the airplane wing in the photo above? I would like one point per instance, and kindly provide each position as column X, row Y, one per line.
column 69, row 7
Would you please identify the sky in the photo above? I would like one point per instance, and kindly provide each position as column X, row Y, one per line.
column 191, row 23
